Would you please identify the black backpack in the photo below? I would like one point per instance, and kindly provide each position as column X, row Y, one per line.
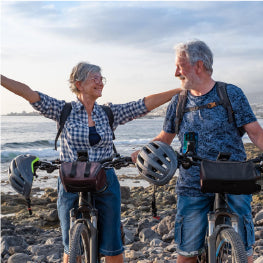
column 65, row 113
column 224, row 101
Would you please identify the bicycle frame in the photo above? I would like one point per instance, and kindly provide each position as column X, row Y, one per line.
column 89, row 217
column 221, row 212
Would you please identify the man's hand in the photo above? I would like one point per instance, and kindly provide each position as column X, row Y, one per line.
column 134, row 156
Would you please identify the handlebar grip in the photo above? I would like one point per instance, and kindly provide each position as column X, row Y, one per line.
column 128, row 159
column 106, row 160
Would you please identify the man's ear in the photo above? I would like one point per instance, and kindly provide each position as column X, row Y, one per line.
column 199, row 66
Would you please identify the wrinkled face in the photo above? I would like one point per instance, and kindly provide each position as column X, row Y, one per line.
column 185, row 72
column 93, row 85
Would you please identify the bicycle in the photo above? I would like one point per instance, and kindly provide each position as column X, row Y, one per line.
column 223, row 243
column 83, row 237
column 157, row 163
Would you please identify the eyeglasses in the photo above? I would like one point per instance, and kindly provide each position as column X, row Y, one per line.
column 98, row 80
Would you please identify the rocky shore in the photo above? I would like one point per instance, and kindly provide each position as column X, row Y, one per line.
column 37, row 238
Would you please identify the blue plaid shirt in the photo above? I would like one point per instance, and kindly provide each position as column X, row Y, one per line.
column 75, row 135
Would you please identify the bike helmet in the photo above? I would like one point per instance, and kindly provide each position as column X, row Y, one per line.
column 21, row 172
column 157, row 162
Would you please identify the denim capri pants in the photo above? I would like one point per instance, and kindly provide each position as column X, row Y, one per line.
column 191, row 222
column 108, row 204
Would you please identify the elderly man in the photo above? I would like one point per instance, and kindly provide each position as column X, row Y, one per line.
column 214, row 134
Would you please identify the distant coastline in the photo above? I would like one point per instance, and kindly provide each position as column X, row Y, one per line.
column 158, row 112
column 23, row 113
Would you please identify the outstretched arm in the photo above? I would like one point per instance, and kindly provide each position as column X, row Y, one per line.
column 20, row 89
column 255, row 133
column 156, row 100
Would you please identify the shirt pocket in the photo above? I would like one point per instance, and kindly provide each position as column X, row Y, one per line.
column 77, row 134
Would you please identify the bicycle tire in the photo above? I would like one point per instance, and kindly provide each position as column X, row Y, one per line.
column 230, row 247
column 79, row 244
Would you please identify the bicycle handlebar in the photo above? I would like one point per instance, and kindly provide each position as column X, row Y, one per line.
column 188, row 160
column 115, row 161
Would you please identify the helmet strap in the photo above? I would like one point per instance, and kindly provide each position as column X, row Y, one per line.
column 154, row 208
column 29, row 206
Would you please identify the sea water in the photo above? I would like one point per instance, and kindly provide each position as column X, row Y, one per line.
column 35, row 135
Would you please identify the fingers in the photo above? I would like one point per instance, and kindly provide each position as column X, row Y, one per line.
column 134, row 156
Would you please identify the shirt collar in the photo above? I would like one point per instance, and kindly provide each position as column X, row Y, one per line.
column 79, row 106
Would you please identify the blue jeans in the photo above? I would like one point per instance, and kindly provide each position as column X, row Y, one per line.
column 191, row 222
column 108, row 204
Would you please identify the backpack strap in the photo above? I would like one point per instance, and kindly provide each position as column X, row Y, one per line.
column 110, row 115
column 180, row 109
column 65, row 113
column 222, row 93
column 224, row 101
column 63, row 117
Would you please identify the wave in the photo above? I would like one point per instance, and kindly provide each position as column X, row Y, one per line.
column 8, row 155
column 39, row 143
column 132, row 141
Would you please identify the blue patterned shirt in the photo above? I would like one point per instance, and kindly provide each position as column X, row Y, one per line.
column 215, row 133
column 75, row 135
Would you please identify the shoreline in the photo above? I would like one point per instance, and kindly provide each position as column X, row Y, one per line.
column 37, row 238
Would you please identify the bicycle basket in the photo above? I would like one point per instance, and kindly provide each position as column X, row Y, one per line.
column 229, row 177
column 83, row 177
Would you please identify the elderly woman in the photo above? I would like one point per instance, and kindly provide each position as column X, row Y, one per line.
column 87, row 128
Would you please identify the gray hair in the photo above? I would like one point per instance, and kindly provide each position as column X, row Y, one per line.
column 80, row 73
column 196, row 50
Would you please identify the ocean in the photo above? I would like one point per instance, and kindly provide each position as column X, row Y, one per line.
column 35, row 135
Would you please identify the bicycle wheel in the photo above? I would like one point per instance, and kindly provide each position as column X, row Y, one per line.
column 230, row 247
column 79, row 244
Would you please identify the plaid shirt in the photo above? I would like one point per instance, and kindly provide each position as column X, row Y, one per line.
column 75, row 135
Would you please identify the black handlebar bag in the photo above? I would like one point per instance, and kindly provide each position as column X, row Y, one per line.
column 83, row 177
column 229, row 177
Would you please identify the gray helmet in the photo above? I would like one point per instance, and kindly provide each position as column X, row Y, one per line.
column 157, row 162
column 21, row 172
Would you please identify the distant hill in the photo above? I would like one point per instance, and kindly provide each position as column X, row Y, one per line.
column 23, row 113
column 255, row 97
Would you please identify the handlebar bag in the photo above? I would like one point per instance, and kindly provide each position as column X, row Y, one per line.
column 83, row 177
column 229, row 177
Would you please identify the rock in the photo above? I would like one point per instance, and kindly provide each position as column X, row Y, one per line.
column 165, row 226
column 259, row 260
column 147, row 234
column 259, row 218
column 11, row 241
column 52, row 216
column 37, row 238
column 19, row 258
column 125, row 192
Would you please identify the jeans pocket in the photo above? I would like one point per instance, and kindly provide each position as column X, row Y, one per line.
column 178, row 229
column 249, row 230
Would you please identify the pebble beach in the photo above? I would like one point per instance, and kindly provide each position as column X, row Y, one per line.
column 37, row 238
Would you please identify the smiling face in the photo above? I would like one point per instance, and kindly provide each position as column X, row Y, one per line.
column 92, row 86
column 185, row 72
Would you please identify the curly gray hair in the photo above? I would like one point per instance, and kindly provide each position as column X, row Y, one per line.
column 80, row 73
column 196, row 50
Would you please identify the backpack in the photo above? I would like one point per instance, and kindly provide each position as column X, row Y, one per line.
column 224, row 101
column 65, row 113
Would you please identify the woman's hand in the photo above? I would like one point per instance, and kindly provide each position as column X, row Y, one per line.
column 155, row 100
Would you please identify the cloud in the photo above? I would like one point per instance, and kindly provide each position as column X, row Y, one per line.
column 156, row 26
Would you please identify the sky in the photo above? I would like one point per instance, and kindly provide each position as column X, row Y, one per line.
column 133, row 42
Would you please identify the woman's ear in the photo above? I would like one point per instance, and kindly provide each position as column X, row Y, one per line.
column 78, row 85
